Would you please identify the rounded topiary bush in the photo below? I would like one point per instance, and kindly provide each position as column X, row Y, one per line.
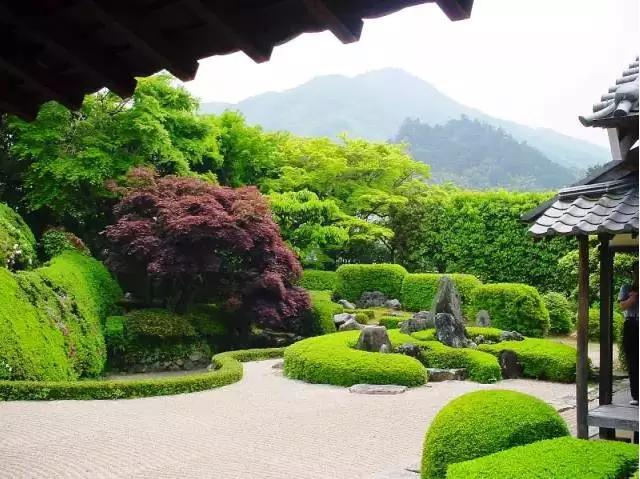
column 594, row 325
column 332, row 359
column 513, row 307
column 355, row 279
column 17, row 243
column 56, row 240
column 483, row 422
column 419, row 289
column 317, row 280
column 560, row 314
column 320, row 319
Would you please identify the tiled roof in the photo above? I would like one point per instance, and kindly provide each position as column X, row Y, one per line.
column 621, row 100
column 610, row 207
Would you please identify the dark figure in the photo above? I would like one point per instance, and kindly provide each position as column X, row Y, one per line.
column 628, row 298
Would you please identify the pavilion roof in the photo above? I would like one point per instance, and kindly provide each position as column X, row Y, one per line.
column 63, row 49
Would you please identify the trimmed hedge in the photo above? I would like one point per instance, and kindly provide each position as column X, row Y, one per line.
column 540, row 358
column 51, row 317
column 490, row 334
column 560, row 314
column 17, row 243
column 391, row 322
column 228, row 370
column 513, row 307
column 481, row 367
column 332, row 359
column 419, row 289
column 159, row 324
column 317, row 280
column 321, row 315
column 355, row 279
column 560, row 458
column 483, row 422
column 594, row 324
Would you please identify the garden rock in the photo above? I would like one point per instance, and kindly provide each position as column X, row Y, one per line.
column 377, row 389
column 372, row 299
column 268, row 338
column 450, row 331
column 346, row 304
column 339, row 319
column 438, row 375
column 350, row 325
column 447, row 299
column 393, row 304
column 418, row 322
column 483, row 319
column 511, row 368
column 511, row 336
column 409, row 349
column 372, row 338
column 384, row 349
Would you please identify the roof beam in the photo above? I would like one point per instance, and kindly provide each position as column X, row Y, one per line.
column 456, row 9
column 256, row 53
column 62, row 44
column 347, row 31
column 145, row 40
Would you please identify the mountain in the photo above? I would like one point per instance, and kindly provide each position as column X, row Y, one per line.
column 477, row 155
column 374, row 105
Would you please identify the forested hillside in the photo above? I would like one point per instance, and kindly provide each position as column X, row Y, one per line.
column 477, row 155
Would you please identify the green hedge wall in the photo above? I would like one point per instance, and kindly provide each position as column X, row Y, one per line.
column 540, row 358
column 560, row 458
column 321, row 316
column 419, row 289
column 332, row 359
column 355, row 279
column 228, row 370
column 560, row 314
column 317, row 280
column 513, row 307
column 483, row 422
column 17, row 243
column 51, row 319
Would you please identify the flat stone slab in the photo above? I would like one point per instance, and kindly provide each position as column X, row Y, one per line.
column 278, row 365
column 377, row 389
column 437, row 375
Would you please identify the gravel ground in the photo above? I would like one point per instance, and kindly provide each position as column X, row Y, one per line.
column 265, row 426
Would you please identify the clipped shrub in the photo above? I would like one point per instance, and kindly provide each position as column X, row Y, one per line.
column 362, row 318
column 560, row 458
column 391, row 322
column 540, row 358
column 369, row 313
column 209, row 321
column 355, row 279
column 560, row 314
column 481, row 367
column 513, row 307
column 419, row 289
column 317, row 280
column 159, row 324
column 227, row 365
column 332, row 359
column 56, row 240
column 490, row 334
column 17, row 243
column 320, row 319
column 483, row 422
column 594, row 324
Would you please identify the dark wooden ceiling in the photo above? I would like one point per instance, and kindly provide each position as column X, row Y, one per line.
column 63, row 49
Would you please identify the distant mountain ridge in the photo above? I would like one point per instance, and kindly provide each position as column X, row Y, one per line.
column 374, row 105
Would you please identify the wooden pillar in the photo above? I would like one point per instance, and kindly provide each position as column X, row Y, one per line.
column 582, row 363
column 606, row 329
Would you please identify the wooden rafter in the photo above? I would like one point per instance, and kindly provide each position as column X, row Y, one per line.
column 347, row 31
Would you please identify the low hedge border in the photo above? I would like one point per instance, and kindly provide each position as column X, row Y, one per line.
column 228, row 370
column 561, row 458
column 481, row 367
column 540, row 358
column 490, row 334
column 332, row 359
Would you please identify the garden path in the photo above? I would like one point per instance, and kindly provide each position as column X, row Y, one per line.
column 263, row 427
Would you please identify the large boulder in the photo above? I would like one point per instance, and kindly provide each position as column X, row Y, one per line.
column 393, row 304
column 509, row 365
column 372, row 299
column 340, row 319
column 409, row 349
column 418, row 322
column 511, row 336
column 483, row 319
column 447, row 299
column 450, row 331
column 346, row 304
column 350, row 325
column 373, row 338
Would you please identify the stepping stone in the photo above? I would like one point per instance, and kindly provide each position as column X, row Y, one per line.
column 377, row 389
column 278, row 365
column 437, row 375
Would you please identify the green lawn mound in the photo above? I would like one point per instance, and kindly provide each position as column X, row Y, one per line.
column 484, row 422
column 228, row 370
column 332, row 359
column 562, row 458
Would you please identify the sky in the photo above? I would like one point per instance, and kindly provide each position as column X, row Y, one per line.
column 537, row 62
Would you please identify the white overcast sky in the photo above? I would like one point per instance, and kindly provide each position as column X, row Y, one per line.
column 537, row 62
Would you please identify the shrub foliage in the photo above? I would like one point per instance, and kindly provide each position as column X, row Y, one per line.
column 317, row 280
column 560, row 314
column 419, row 289
column 322, row 312
column 17, row 243
column 355, row 279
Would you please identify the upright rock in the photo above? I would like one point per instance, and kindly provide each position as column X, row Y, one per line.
column 449, row 322
column 372, row 338
column 483, row 319
column 509, row 365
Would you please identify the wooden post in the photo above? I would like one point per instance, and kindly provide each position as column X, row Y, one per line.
column 606, row 330
column 582, row 363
